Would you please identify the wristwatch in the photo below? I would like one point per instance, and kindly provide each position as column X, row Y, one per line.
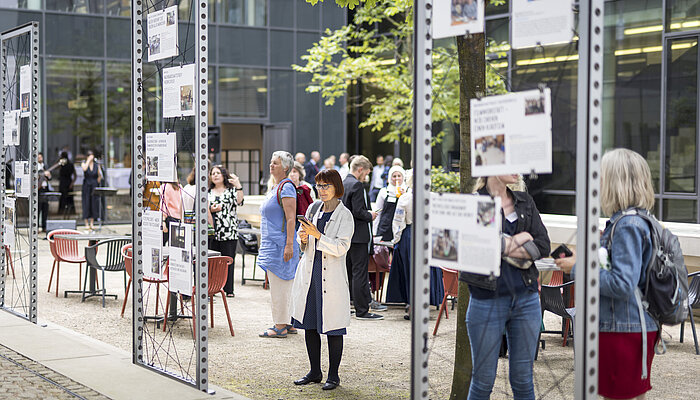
column 237, row 189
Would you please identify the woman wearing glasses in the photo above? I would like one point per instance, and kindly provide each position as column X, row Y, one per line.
column 320, row 294
column 225, row 195
column 279, row 251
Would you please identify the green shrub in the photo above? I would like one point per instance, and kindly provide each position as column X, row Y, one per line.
column 442, row 181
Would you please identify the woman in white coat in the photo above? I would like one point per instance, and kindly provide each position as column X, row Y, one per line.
column 320, row 293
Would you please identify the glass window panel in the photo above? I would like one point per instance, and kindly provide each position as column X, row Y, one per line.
column 282, row 13
column 118, row 7
column 76, row 6
column 10, row 19
column 308, row 16
column 305, row 41
column 74, row 106
column 118, row 114
column 498, row 30
column 557, row 67
column 682, row 15
column 548, row 203
column 282, row 49
column 492, row 9
column 333, row 127
column 244, row 12
column 74, row 36
column 307, row 115
column 632, row 80
column 333, row 16
column 28, row 4
column 681, row 115
column 281, row 96
column 119, row 34
column 242, row 92
column 242, row 46
column 676, row 210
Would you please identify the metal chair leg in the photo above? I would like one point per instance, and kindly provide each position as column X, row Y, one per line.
column 695, row 336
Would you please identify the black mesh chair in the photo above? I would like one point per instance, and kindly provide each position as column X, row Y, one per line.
column 111, row 259
column 693, row 302
column 557, row 299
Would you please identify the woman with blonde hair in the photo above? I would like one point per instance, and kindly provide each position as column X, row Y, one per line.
column 625, row 354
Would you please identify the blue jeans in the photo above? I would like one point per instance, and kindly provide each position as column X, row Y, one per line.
column 520, row 317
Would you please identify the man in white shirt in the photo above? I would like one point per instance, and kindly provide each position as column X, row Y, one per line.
column 344, row 165
column 377, row 181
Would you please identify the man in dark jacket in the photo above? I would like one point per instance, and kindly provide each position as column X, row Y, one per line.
column 312, row 167
column 357, row 201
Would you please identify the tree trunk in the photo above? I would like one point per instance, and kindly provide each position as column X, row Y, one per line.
column 472, row 83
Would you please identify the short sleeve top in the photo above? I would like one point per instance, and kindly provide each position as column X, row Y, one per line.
column 226, row 220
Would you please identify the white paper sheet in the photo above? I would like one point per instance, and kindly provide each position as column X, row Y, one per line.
column 25, row 90
column 160, row 157
column 11, row 127
column 178, row 91
column 9, row 223
column 542, row 22
column 23, row 183
column 512, row 133
column 162, row 34
column 465, row 232
column 180, row 255
column 152, row 244
column 457, row 17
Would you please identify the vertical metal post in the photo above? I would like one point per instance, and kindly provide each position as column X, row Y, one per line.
column 422, row 134
column 3, row 170
column 201, row 122
column 588, row 154
column 33, row 152
column 137, row 181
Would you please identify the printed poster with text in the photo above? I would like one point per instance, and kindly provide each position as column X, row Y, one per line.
column 465, row 232
column 180, row 267
column 162, row 34
column 23, row 182
column 512, row 133
column 178, row 91
column 25, row 90
column 457, row 17
column 11, row 126
column 542, row 22
column 9, row 223
column 160, row 157
column 152, row 234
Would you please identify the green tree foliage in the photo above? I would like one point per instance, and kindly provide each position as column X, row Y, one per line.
column 442, row 181
column 383, row 62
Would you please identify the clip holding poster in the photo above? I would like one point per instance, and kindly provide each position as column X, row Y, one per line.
column 455, row 17
column 512, row 133
column 465, row 232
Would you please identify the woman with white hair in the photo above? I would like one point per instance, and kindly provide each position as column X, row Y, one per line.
column 625, row 354
column 387, row 200
column 279, row 252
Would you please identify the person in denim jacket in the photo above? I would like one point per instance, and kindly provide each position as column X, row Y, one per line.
column 625, row 185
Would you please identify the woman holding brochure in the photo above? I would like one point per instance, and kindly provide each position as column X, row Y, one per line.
column 511, row 302
column 320, row 293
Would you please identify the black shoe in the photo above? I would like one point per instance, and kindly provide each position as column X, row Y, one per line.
column 369, row 315
column 307, row 379
column 407, row 317
column 330, row 385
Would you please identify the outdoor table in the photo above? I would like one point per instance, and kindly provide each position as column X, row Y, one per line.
column 92, row 239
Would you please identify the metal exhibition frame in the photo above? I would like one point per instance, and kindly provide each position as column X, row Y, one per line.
column 589, row 140
column 31, row 29
column 588, row 154
column 200, row 121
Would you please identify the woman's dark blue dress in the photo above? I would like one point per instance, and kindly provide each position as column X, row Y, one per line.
column 398, row 288
column 313, row 314
column 90, row 201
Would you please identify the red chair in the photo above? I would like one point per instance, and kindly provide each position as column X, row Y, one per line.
column 218, row 272
column 128, row 262
column 65, row 250
column 379, row 265
column 8, row 257
column 451, row 283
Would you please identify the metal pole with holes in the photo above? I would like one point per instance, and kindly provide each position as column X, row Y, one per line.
column 588, row 154
column 422, row 134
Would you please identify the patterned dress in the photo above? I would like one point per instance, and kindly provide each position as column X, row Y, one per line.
column 226, row 220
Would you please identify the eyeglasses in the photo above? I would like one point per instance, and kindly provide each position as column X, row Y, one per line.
column 323, row 186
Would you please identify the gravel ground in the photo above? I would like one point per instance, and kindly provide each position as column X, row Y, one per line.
column 376, row 357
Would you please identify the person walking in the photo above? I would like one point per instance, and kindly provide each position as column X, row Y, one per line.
column 320, row 294
column 511, row 302
column 225, row 195
column 92, row 176
column 625, row 185
column 356, row 200
column 279, row 251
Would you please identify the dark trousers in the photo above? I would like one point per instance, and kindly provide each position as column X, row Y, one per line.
column 357, row 261
column 43, row 214
column 227, row 248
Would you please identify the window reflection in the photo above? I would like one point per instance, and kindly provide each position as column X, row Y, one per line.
column 25, row 4
column 243, row 12
column 76, row 6
column 242, row 92
column 682, row 15
column 118, row 115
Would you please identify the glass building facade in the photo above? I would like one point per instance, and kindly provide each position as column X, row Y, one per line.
column 650, row 99
column 86, row 79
